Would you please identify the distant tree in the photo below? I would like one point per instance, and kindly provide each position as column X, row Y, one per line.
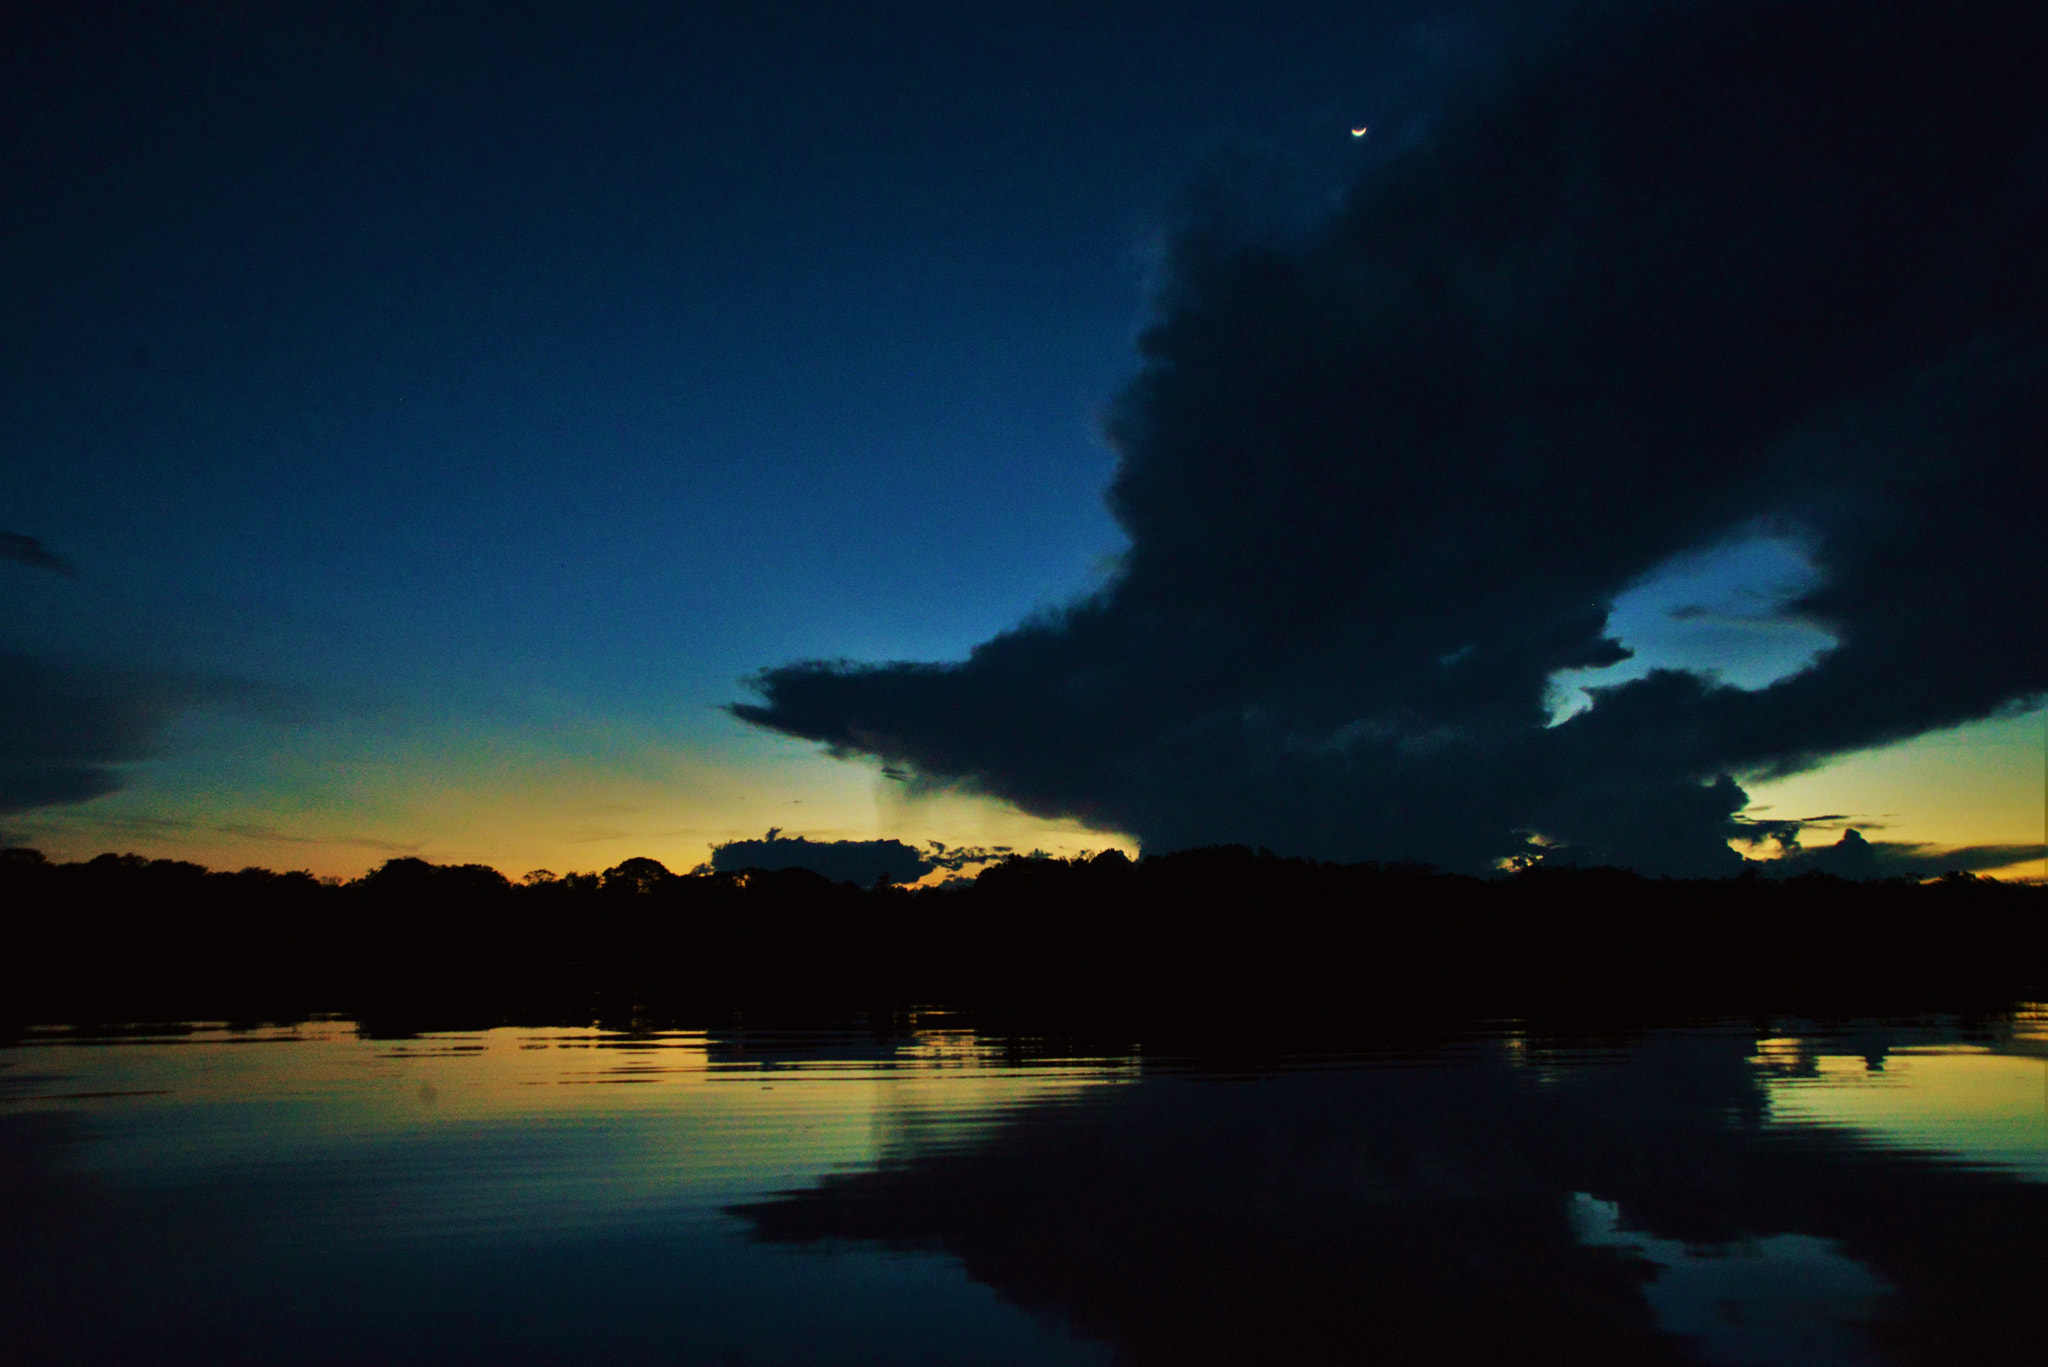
column 638, row 875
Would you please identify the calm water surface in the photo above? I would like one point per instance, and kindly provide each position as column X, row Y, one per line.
column 1725, row 1194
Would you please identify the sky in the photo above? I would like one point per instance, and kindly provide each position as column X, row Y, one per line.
column 542, row 434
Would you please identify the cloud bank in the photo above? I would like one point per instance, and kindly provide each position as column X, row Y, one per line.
column 1855, row 857
column 1696, row 274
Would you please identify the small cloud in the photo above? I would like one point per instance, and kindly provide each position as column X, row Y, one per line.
column 141, row 825
column 27, row 550
column 248, row 831
column 857, row 861
column 180, row 828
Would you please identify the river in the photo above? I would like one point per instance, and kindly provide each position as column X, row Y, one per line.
column 1724, row 1192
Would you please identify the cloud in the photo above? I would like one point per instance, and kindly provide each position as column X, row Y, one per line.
column 65, row 732
column 271, row 835
column 68, row 731
column 1694, row 274
column 1855, row 857
column 27, row 550
column 858, row 861
column 156, row 827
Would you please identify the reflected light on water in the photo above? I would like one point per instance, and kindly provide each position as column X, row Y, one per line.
column 506, row 1196
column 1823, row 1196
column 542, row 1129
column 1972, row 1102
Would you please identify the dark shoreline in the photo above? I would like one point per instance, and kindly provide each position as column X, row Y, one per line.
column 1203, row 945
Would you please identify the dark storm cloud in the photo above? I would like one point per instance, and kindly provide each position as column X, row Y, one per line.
column 67, row 732
column 1697, row 273
column 27, row 550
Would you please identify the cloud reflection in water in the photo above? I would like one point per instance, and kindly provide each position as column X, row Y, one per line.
column 1717, row 1194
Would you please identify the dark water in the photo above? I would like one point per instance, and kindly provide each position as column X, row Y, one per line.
column 1726, row 1194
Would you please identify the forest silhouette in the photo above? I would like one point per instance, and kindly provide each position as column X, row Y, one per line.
column 1213, row 942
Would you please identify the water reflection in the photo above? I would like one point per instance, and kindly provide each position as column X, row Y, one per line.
column 1650, row 1199
column 1785, row 1298
column 1730, row 1194
column 512, row 1196
column 1981, row 1101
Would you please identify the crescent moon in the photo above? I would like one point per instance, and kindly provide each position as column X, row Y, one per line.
column 1358, row 132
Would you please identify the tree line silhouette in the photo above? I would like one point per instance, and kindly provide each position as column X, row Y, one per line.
column 1221, row 939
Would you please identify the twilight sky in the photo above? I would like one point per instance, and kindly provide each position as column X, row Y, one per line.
column 420, row 420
